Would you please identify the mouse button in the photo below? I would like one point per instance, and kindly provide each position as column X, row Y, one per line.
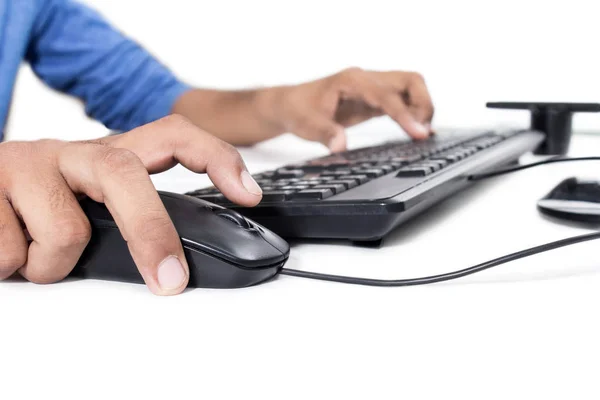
column 270, row 237
column 234, row 217
column 274, row 240
column 221, row 238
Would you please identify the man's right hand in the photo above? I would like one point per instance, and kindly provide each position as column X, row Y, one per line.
column 43, row 230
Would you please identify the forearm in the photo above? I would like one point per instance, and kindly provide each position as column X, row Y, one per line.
column 241, row 118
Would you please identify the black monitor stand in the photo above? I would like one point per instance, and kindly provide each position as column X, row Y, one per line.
column 553, row 119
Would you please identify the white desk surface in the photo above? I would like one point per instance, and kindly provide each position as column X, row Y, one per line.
column 524, row 330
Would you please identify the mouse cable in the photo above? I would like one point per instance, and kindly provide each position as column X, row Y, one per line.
column 467, row 271
column 447, row 276
column 552, row 160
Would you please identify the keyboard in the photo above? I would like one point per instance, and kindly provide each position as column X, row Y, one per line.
column 365, row 193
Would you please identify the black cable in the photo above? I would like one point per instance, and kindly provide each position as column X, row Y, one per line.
column 476, row 177
column 443, row 277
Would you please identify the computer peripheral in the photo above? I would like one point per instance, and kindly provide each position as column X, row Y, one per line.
column 365, row 193
column 223, row 249
column 573, row 199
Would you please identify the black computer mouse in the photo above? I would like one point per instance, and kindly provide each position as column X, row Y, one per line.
column 223, row 249
column 573, row 199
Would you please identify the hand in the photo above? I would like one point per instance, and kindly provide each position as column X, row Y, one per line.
column 43, row 230
column 320, row 110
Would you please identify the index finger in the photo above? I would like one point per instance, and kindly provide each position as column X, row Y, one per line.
column 174, row 139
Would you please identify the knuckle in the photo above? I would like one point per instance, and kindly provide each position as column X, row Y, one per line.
column 175, row 120
column 351, row 75
column 352, row 71
column 72, row 232
column 117, row 160
column 16, row 150
column 416, row 77
column 227, row 150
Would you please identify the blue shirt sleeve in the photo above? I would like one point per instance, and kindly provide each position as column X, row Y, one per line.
column 75, row 51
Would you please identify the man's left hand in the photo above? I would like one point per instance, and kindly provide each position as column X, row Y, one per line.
column 322, row 109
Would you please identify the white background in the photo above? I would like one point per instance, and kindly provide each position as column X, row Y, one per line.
column 524, row 331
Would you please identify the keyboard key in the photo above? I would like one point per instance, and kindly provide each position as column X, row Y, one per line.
column 307, row 183
column 291, row 173
column 414, row 171
column 349, row 184
column 433, row 164
column 312, row 194
column 276, row 195
column 266, row 174
column 387, row 168
column 336, row 188
column 282, row 182
column 371, row 173
column 358, row 178
column 451, row 158
column 441, row 163
column 297, row 187
column 338, row 172
column 406, row 159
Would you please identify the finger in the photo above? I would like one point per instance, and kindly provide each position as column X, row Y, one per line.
column 418, row 96
column 13, row 244
column 58, row 228
column 419, row 99
column 174, row 139
column 317, row 127
column 379, row 95
column 118, row 178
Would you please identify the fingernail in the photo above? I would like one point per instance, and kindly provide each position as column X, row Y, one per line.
column 250, row 184
column 171, row 274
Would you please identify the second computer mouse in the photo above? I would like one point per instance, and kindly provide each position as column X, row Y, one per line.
column 223, row 249
column 573, row 199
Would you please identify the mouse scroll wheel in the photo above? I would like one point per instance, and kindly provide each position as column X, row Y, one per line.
column 234, row 217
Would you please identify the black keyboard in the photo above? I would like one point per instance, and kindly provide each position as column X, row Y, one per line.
column 363, row 194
